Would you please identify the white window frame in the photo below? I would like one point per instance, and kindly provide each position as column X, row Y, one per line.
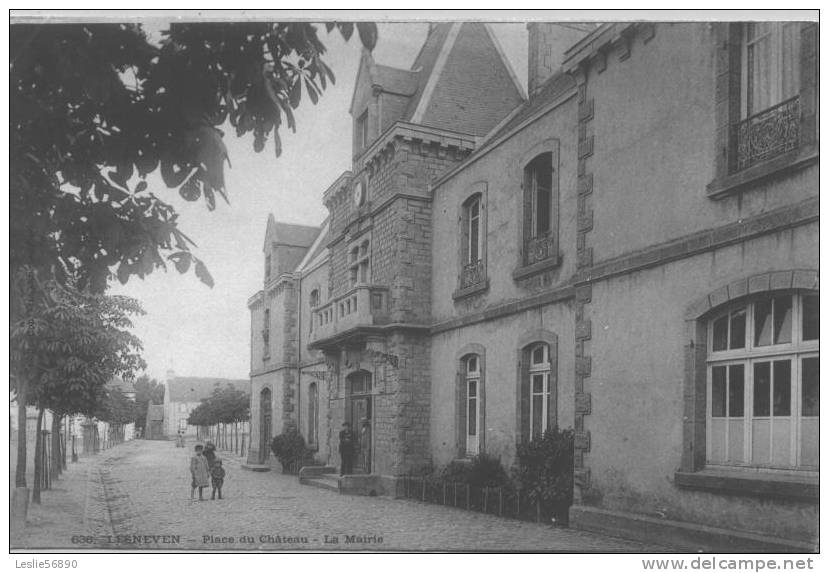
column 542, row 369
column 472, row 376
column 474, row 201
column 794, row 351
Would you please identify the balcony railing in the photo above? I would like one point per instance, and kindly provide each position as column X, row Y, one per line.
column 541, row 248
column 363, row 305
column 767, row 134
column 473, row 274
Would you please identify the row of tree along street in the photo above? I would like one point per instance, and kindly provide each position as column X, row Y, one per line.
column 95, row 109
column 219, row 417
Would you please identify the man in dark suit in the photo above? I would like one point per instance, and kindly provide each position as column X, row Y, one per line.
column 346, row 449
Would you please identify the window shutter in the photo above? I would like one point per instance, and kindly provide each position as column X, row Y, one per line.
column 552, row 399
column 460, row 397
column 524, row 391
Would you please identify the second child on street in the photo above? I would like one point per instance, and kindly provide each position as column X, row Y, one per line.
column 217, row 476
column 210, row 453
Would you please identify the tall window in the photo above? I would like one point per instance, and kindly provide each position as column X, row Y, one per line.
column 313, row 414
column 539, row 389
column 314, row 298
column 266, row 334
column 359, row 258
column 472, row 385
column 540, row 209
column 472, row 239
column 771, row 64
column 771, row 113
column 267, row 266
column 763, row 383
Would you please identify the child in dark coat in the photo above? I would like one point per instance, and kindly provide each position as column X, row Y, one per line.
column 217, row 476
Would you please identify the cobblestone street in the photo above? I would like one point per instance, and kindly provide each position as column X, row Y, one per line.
column 141, row 489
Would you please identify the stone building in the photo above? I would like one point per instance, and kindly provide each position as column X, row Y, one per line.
column 631, row 251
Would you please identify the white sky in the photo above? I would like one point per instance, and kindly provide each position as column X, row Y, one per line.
column 198, row 331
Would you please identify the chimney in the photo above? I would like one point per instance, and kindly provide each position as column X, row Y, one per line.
column 547, row 43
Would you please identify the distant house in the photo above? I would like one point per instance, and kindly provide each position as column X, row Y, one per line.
column 183, row 394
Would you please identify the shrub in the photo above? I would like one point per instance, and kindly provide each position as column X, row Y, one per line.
column 289, row 448
column 480, row 471
column 544, row 469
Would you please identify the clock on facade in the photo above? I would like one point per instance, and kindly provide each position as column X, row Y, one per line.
column 359, row 194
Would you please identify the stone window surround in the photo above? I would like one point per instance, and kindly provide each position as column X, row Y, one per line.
column 525, row 343
column 479, row 188
column 363, row 257
column 728, row 108
column 460, row 398
column 313, row 415
column 693, row 473
column 550, row 145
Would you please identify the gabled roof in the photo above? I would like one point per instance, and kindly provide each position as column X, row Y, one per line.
column 287, row 234
column 427, row 59
column 317, row 249
column 193, row 389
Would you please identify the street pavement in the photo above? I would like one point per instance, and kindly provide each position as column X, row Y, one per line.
column 139, row 499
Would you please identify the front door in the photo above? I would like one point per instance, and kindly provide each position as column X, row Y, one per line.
column 360, row 418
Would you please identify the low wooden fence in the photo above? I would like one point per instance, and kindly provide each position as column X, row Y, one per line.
column 503, row 501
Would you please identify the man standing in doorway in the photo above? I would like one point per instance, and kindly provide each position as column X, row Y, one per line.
column 346, row 449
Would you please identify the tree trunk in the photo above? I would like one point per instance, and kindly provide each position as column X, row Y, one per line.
column 57, row 464
column 38, row 458
column 20, row 471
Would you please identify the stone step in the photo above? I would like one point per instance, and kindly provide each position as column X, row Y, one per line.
column 324, row 481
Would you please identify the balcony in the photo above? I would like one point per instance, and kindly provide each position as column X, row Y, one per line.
column 767, row 134
column 362, row 307
column 541, row 248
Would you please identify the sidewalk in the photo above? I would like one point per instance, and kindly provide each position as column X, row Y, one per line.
column 61, row 513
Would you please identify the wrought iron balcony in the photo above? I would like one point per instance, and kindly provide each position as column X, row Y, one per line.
column 362, row 306
column 541, row 248
column 473, row 274
column 767, row 134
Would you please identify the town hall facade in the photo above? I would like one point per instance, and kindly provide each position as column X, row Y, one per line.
column 629, row 250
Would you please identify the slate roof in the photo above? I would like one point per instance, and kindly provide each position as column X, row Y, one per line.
column 286, row 233
column 425, row 62
column 193, row 389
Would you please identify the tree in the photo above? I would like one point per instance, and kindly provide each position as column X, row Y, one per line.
column 224, row 406
column 147, row 391
column 97, row 108
column 66, row 344
column 118, row 411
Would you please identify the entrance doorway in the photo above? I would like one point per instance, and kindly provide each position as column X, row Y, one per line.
column 359, row 414
column 264, row 425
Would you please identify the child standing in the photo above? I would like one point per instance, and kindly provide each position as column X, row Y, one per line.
column 217, row 475
column 200, row 473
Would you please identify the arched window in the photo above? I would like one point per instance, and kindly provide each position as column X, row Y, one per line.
column 472, row 388
column 473, row 237
column 314, row 300
column 540, row 225
column 538, row 385
column 313, row 414
column 763, row 406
